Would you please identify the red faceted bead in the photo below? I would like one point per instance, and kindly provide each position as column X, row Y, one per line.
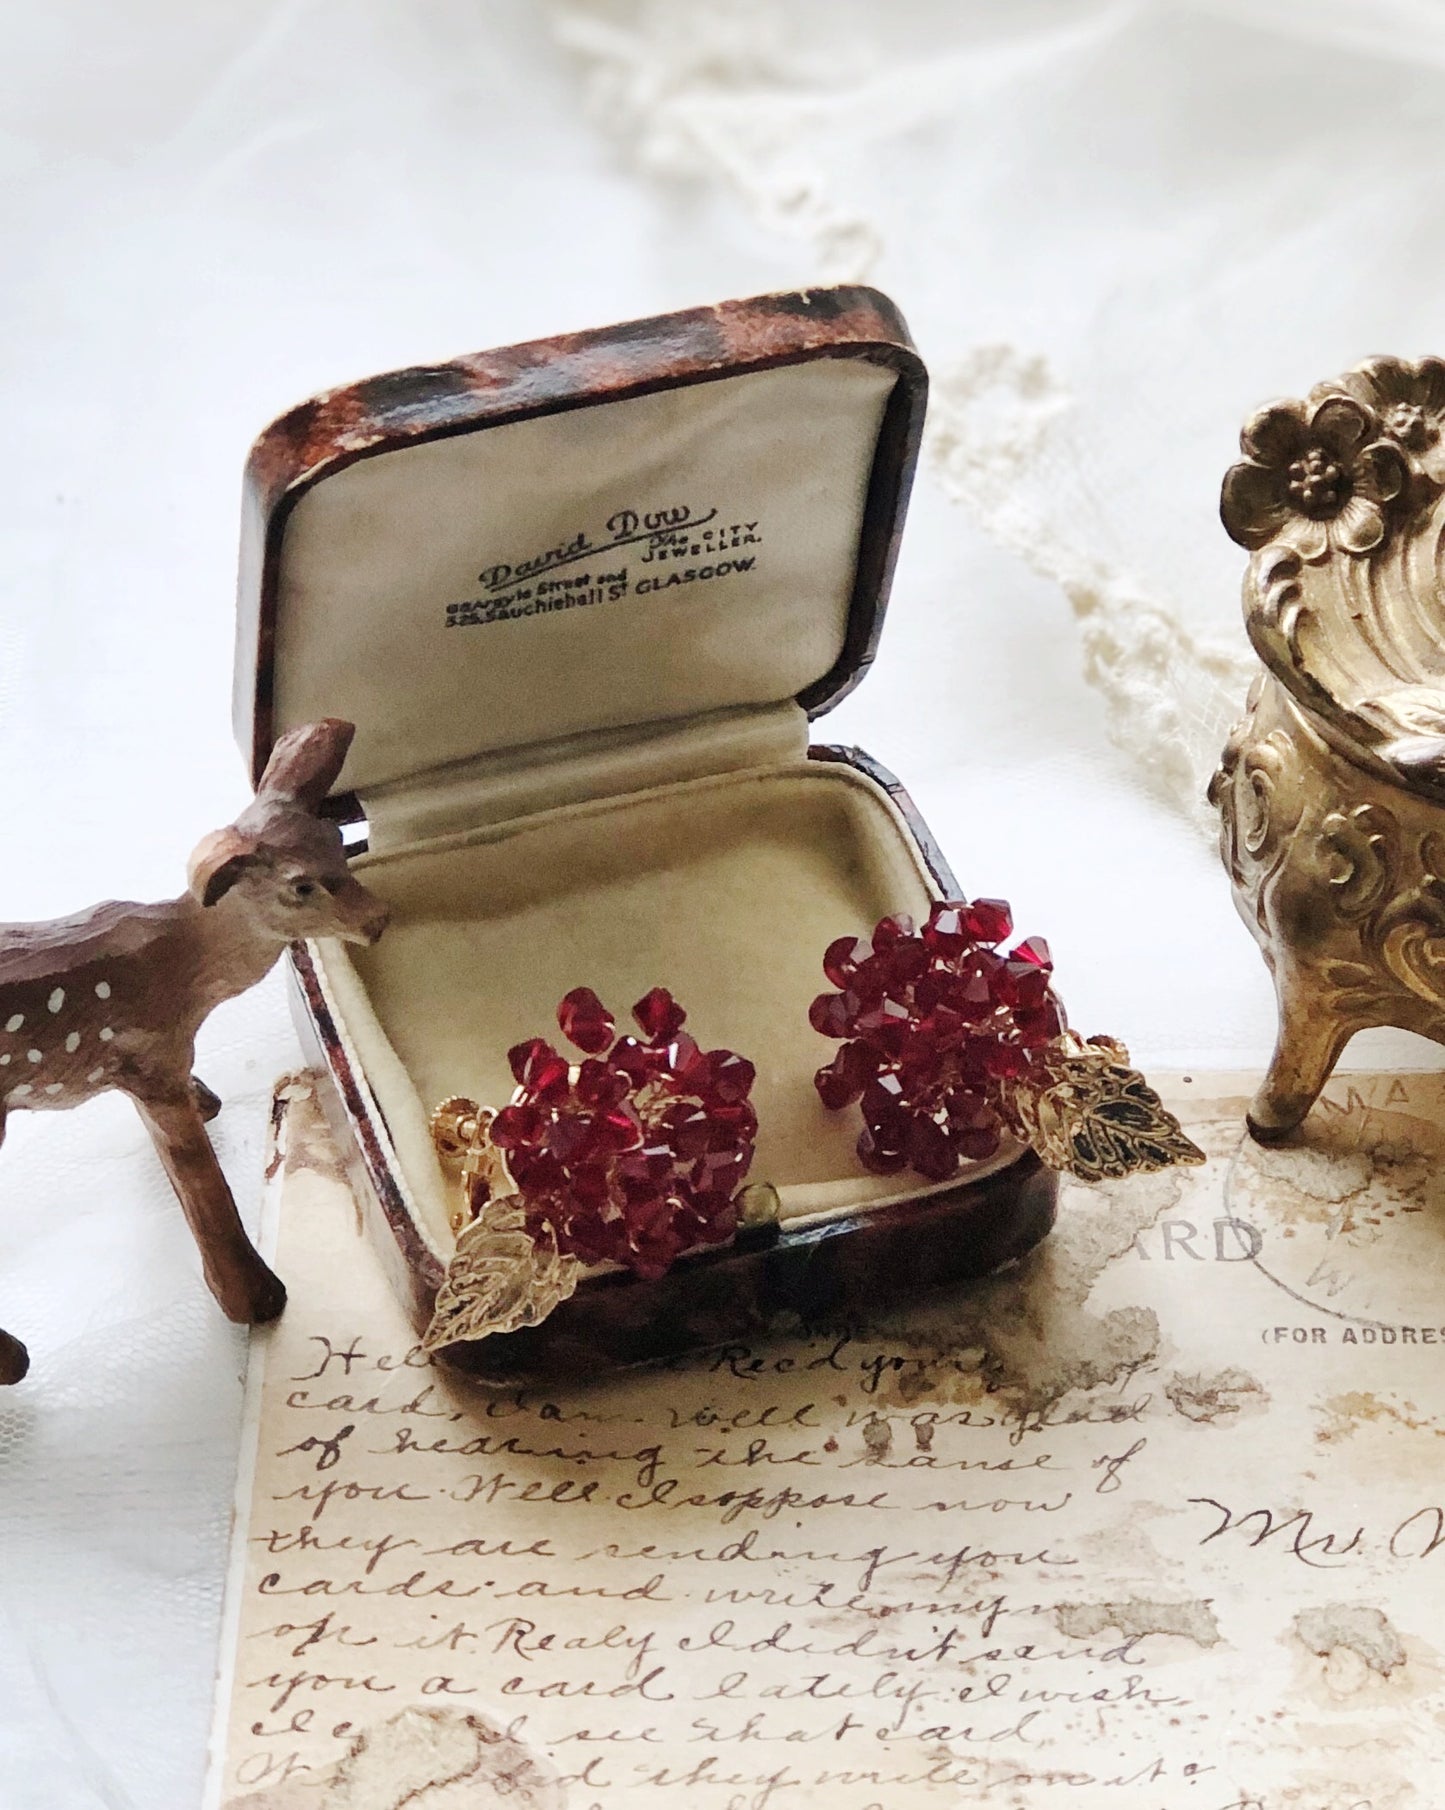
column 829, row 1015
column 730, row 1077
column 1028, row 984
column 884, row 1025
column 858, row 1062
column 884, row 1111
column 572, row 1138
column 617, row 1129
column 868, row 985
column 970, row 1064
column 723, row 1169
column 682, row 1058
column 659, row 1015
column 969, row 1107
column 731, row 1126
column 943, row 1027
column 903, row 963
column 1038, row 1025
column 548, row 1078
column 596, row 1241
column 638, row 1061
column 921, row 1060
column 932, row 987
column 988, row 920
column 523, row 1058
column 600, row 1085
column 688, row 1128
column 588, row 1182
column 843, row 957
column 717, row 1219
column 945, row 932
column 971, row 996
column 930, row 1149
column 689, row 1227
column 639, row 1185
column 516, row 1125
column 977, row 1143
column 1006, row 1061
column 841, row 1081
column 876, row 1157
column 835, row 1089
column 890, row 930
column 1018, row 983
column 536, row 1171
column 585, row 1021
column 648, row 1219
column 1032, row 949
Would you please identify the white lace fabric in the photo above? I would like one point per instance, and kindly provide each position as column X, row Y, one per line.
column 1114, row 229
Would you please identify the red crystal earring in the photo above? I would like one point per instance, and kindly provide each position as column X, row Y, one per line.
column 952, row 1043
column 632, row 1156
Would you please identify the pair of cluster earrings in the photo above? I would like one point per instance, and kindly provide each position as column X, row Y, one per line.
column 951, row 1044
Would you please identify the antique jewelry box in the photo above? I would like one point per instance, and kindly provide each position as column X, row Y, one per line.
column 582, row 599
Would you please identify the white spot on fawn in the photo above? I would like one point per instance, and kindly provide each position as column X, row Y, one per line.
column 5, row 1060
column 34, row 1056
column 96, row 1074
column 57, row 999
column 53, row 1088
column 106, row 1034
column 19, row 1093
column 16, row 1023
column 72, row 1042
column 102, row 989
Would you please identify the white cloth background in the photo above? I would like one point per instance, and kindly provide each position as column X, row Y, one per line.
column 1114, row 228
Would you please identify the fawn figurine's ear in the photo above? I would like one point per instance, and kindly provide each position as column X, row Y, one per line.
column 306, row 763
column 218, row 862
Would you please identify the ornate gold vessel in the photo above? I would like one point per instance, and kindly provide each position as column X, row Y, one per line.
column 1331, row 790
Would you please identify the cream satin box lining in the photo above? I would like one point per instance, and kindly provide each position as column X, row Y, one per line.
column 747, row 876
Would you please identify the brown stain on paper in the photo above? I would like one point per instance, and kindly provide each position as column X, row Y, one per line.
column 1029, row 1333
column 1346, row 1168
column 422, row 1759
column 309, row 1143
column 1352, row 1628
column 878, row 1438
column 1191, row 1620
column 1208, row 1400
column 1348, row 1413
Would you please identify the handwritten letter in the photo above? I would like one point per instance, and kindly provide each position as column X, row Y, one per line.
column 1156, row 1520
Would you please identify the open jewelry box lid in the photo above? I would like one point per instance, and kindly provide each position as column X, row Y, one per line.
column 631, row 526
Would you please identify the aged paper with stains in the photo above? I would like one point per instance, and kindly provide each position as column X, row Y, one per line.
column 1155, row 1520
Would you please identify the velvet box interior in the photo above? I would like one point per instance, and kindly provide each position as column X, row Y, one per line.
column 581, row 599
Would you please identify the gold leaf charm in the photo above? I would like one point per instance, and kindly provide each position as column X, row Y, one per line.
column 1098, row 1118
column 501, row 1277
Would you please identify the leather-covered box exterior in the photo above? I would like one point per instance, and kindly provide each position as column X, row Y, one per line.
column 851, row 1263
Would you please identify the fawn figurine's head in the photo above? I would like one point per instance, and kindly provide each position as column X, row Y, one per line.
column 279, row 862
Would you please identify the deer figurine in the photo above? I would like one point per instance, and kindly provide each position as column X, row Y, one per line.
column 114, row 996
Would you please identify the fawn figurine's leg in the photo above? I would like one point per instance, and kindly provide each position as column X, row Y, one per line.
column 14, row 1358
column 1309, row 1045
column 245, row 1288
column 208, row 1102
